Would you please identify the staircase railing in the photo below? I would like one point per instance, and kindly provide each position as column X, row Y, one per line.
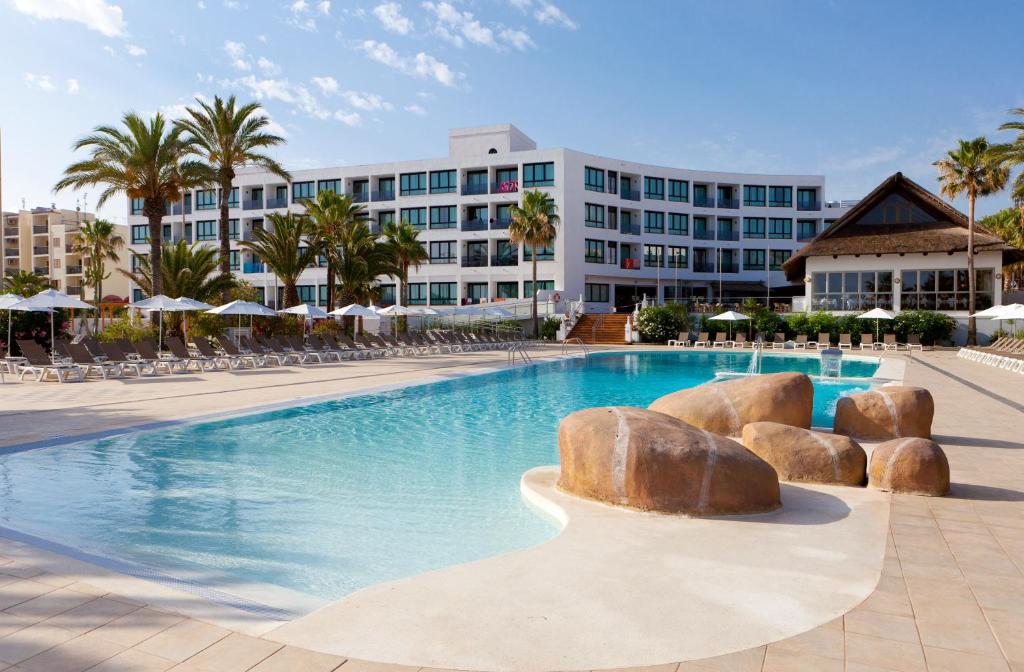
column 597, row 325
column 576, row 340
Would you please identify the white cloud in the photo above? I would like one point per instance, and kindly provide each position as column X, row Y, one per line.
column 521, row 5
column 205, row 79
column 41, row 82
column 268, row 66
column 324, row 7
column 94, row 14
column 348, row 118
column 301, row 15
column 236, row 51
column 390, row 16
column 519, row 39
column 456, row 26
column 232, row 4
column 425, row 95
column 72, row 86
column 415, row 109
column 135, row 50
column 200, row 5
column 327, row 84
column 366, row 101
column 550, row 14
column 421, row 65
column 262, row 38
column 110, row 50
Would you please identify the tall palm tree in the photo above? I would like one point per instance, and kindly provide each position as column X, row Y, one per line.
column 185, row 270
column 971, row 169
column 228, row 137
column 281, row 247
column 1011, row 154
column 533, row 224
column 330, row 215
column 404, row 250
column 99, row 243
column 141, row 160
column 363, row 259
column 24, row 283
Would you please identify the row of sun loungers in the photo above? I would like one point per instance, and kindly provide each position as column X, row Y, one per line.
column 1005, row 353
column 801, row 342
column 90, row 358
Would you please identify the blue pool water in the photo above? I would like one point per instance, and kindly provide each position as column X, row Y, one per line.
column 331, row 497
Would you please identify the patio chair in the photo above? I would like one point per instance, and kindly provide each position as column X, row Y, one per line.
column 800, row 342
column 343, row 348
column 283, row 353
column 318, row 345
column 867, row 342
column 81, row 356
column 180, row 351
column 360, row 347
column 298, row 346
column 682, row 340
column 889, row 342
column 62, row 349
column 845, row 342
column 40, row 364
column 92, row 345
column 429, row 346
column 147, row 350
column 914, row 342
column 824, row 340
column 254, row 360
column 115, row 355
column 127, row 348
column 207, row 350
column 741, row 341
column 779, row 342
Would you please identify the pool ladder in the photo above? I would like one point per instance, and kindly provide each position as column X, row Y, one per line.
column 519, row 349
column 576, row 340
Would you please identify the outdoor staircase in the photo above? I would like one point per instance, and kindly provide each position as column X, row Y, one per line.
column 603, row 328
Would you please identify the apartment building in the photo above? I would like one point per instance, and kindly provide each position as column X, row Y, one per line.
column 627, row 229
column 41, row 241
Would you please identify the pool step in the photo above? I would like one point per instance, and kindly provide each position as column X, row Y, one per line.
column 603, row 329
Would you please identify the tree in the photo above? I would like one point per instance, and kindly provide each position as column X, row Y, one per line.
column 1008, row 223
column 404, row 250
column 362, row 260
column 186, row 270
column 227, row 137
column 971, row 170
column 1011, row 155
column 282, row 249
column 144, row 160
column 24, row 283
column 99, row 243
column 330, row 215
column 533, row 224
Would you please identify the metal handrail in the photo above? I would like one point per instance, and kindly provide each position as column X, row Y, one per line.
column 597, row 324
column 578, row 341
column 520, row 349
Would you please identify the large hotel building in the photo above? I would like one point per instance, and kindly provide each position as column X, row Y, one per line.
column 627, row 229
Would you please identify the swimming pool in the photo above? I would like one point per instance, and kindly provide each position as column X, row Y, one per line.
column 330, row 497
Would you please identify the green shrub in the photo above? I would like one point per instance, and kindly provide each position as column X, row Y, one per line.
column 933, row 327
column 209, row 326
column 328, row 328
column 33, row 326
column 658, row 324
column 549, row 328
column 127, row 328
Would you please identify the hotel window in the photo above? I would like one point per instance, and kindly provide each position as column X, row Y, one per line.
column 443, row 251
column 654, row 188
column 700, row 229
column 386, row 188
column 654, row 255
column 329, row 185
column 137, row 295
column 678, row 224
column 753, row 227
column 443, row 182
column 780, row 197
column 307, row 293
column 542, row 286
column 503, row 215
column 613, row 182
column 412, row 184
column 206, row 199
column 539, row 174
column 235, row 260
column 726, row 230
column 678, row 191
column 852, row 290
column 137, row 205
column 476, row 291
column 415, row 216
column 806, row 229
column 232, row 229
column 444, row 293
column 753, row 195
column 594, row 216
column 476, row 182
column 140, row 233
column 594, row 292
column 507, row 252
column 165, row 235
column 753, row 260
column 417, row 293
column 385, row 217
column 361, row 189
column 780, row 228
column 776, row 258
column 507, row 290
column 594, row 251
column 945, row 289
column 321, row 299
column 301, row 190
column 593, row 179
column 136, row 262
column 233, row 197
column 206, row 230
column 188, row 230
column 807, row 199
column 545, row 253
column 654, row 222
column 678, row 257
column 444, row 217
column 387, row 295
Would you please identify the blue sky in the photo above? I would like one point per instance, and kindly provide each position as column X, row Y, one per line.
column 854, row 90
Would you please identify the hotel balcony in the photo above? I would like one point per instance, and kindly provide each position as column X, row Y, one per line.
column 703, row 267
column 40, row 229
column 276, row 203
column 703, row 202
column 731, row 203
column 808, row 206
column 730, row 267
column 474, row 189
column 11, row 231
column 728, row 234
column 703, row 235
column 73, row 270
column 497, row 260
column 252, row 204
column 506, row 187
column 10, row 251
column 444, row 260
column 474, row 225
column 383, row 195
column 74, row 290
column 176, row 209
column 40, row 250
column 630, row 264
column 359, row 196
column 501, row 223
column 630, row 194
column 631, row 229
column 474, row 261
column 41, row 270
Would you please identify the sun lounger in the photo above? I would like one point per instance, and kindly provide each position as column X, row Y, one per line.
column 800, row 342
column 824, row 340
column 40, row 365
column 284, row 354
column 115, row 355
column 741, row 341
column 914, row 342
column 867, row 341
column 223, row 360
column 318, row 345
column 299, row 347
column 889, row 342
column 343, row 348
column 81, row 356
column 62, row 349
column 845, row 342
column 180, row 350
column 252, row 359
column 147, row 350
column 779, row 342
column 680, row 341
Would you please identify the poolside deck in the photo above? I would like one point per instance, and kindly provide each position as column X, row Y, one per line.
column 951, row 594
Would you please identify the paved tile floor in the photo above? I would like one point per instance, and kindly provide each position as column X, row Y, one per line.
column 951, row 595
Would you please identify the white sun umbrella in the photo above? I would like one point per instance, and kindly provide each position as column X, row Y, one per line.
column 306, row 311
column 240, row 308
column 354, row 310
column 51, row 299
column 498, row 312
column 396, row 310
column 193, row 305
column 989, row 312
column 731, row 316
column 876, row 314
column 1014, row 311
column 161, row 304
column 6, row 303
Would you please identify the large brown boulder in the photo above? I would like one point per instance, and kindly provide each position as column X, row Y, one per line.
column 914, row 466
column 650, row 461
column 890, row 412
column 803, row 455
column 725, row 407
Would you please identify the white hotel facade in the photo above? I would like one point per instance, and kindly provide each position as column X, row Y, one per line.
column 627, row 229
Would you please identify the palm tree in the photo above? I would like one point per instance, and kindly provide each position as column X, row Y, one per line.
column 362, row 260
column 1008, row 223
column 99, row 243
column 227, row 137
column 141, row 160
column 24, row 283
column 1011, row 155
column 186, row 270
column 971, row 169
column 404, row 251
column 330, row 215
column 533, row 224
column 281, row 248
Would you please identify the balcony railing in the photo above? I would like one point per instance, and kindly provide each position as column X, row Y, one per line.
column 630, row 264
column 10, row 231
column 808, row 206
column 70, row 249
column 805, row 236
column 703, row 267
column 74, row 291
column 506, row 187
column 254, row 268
column 593, row 259
column 630, row 194
column 703, row 235
column 502, row 260
column 277, row 203
column 543, row 256
column 176, row 209
column 501, row 223
column 728, row 235
column 252, row 204
column 40, row 249
column 40, row 228
column 10, row 251
column 383, row 195
column 444, row 260
column 73, row 270
column 359, row 196
column 703, row 202
column 474, row 261
column 730, row 267
column 41, row 270
column 474, row 189
column 731, row 203
column 631, row 229
column 780, row 204
column 474, row 225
